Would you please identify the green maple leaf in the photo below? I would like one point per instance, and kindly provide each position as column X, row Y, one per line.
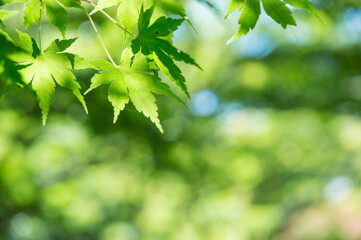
column 171, row 6
column 31, row 12
column 5, row 14
column 55, row 12
column 151, row 42
column 56, row 15
column 250, row 11
column 128, row 10
column 278, row 11
column 304, row 4
column 44, row 70
column 131, row 82
column 233, row 6
column 9, row 75
column 3, row 2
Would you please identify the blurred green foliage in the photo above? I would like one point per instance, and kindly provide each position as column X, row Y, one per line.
column 270, row 149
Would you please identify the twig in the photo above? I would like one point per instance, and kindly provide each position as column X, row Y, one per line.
column 41, row 13
column 100, row 38
column 109, row 17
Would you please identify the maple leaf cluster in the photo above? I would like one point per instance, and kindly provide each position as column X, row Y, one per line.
column 148, row 32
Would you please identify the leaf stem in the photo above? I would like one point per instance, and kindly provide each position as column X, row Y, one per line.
column 99, row 37
column 41, row 13
column 109, row 17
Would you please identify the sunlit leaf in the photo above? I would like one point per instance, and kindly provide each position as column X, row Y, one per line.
column 44, row 70
column 151, row 43
column 131, row 82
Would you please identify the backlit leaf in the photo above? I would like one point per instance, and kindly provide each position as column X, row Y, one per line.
column 131, row 82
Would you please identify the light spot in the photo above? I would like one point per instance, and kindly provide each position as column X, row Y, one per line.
column 207, row 24
column 86, row 32
column 254, row 45
column 337, row 189
column 204, row 103
column 21, row 225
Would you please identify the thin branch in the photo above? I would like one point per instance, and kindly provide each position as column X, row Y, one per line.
column 41, row 13
column 109, row 17
column 100, row 38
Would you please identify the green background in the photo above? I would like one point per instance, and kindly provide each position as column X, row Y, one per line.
column 270, row 148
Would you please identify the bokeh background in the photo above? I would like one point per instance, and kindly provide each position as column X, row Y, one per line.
column 270, row 148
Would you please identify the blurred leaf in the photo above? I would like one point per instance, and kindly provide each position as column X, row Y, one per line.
column 278, row 11
column 54, row 11
column 233, row 6
column 303, row 4
column 56, row 15
column 250, row 11
column 31, row 12
column 9, row 76
column 5, row 14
